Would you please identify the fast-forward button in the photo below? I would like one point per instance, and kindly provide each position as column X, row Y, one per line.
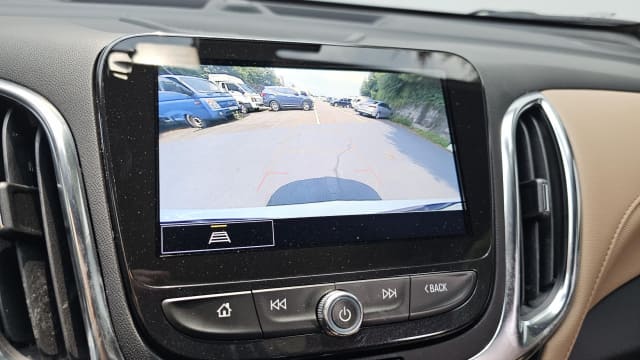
column 383, row 300
column 389, row 293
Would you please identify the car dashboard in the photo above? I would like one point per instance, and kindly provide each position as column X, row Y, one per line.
column 245, row 179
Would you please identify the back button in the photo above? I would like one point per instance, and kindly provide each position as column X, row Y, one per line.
column 437, row 293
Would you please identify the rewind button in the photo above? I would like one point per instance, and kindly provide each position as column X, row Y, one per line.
column 278, row 304
column 289, row 311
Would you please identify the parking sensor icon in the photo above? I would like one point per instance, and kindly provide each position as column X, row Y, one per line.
column 219, row 234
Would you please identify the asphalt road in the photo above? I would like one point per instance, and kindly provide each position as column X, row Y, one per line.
column 324, row 154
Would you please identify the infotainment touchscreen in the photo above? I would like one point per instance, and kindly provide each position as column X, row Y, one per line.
column 246, row 153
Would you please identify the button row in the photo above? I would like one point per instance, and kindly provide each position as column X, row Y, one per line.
column 293, row 310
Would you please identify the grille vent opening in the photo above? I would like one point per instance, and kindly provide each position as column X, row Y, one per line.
column 543, row 208
column 40, row 314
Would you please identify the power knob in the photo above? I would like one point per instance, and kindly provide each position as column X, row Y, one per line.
column 340, row 313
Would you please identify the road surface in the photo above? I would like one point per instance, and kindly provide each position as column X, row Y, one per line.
column 296, row 156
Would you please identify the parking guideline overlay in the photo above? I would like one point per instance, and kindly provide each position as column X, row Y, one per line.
column 180, row 238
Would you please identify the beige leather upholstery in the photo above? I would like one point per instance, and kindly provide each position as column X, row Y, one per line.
column 604, row 130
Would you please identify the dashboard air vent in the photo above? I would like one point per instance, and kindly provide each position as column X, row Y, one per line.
column 542, row 207
column 40, row 315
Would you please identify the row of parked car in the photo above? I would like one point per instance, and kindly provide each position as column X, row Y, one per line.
column 200, row 102
column 364, row 106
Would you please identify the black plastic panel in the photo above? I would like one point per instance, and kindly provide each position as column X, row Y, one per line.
column 131, row 152
column 131, row 155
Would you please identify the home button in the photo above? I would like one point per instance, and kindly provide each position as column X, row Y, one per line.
column 222, row 316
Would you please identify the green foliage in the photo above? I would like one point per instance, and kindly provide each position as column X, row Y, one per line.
column 402, row 120
column 429, row 135
column 403, row 89
column 370, row 86
column 256, row 77
column 433, row 137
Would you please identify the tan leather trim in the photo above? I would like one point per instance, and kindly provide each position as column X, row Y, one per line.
column 604, row 130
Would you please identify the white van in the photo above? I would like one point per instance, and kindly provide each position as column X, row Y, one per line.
column 247, row 98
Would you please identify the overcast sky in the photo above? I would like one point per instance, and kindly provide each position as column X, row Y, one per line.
column 334, row 83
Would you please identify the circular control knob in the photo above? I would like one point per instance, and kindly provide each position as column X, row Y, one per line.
column 340, row 313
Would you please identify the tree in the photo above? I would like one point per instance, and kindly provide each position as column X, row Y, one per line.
column 256, row 77
column 219, row 69
column 402, row 89
column 370, row 86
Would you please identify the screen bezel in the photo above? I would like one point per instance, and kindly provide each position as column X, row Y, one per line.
column 131, row 151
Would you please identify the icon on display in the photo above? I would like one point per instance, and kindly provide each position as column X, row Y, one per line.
column 224, row 311
column 389, row 293
column 278, row 304
column 219, row 234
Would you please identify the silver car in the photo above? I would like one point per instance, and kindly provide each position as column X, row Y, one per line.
column 376, row 109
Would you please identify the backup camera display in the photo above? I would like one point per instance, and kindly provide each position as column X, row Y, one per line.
column 241, row 147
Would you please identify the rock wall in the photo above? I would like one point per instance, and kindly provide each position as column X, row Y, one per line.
column 427, row 117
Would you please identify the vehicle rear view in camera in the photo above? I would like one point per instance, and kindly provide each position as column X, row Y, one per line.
column 251, row 143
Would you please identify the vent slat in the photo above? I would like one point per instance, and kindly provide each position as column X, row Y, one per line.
column 40, row 313
column 18, row 154
column 531, row 260
column 33, row 270
column 14, row 318
column 541, row 149
column 17, row 148
column 66, row 295
column 538, row 147
column 541, row 201
column 525, row 156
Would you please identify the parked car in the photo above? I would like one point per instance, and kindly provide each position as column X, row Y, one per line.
column 194, row 101
column 356, row 101
column 248, row 99
column 374, row 108
column 282, row 97
column 343, row 102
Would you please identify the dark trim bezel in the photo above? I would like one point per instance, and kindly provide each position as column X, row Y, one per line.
column 129, row 148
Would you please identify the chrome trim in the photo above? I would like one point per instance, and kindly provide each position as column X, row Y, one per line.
column 324, row 313
column 204, row 297
column 517, row 336
column 268, row 290
column 100, row 336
